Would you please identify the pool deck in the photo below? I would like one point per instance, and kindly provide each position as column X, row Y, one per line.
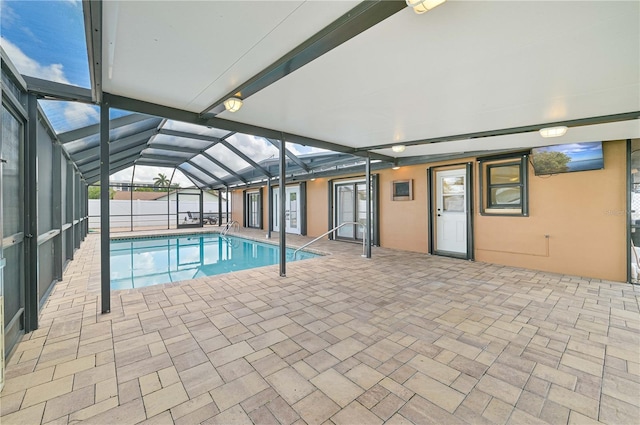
column 400, row 338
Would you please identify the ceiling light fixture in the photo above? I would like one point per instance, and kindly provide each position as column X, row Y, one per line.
column 553, row 131
column 233, row 104
column 422, row 6
column 398, row 148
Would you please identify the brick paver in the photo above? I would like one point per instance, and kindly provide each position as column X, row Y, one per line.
column 401, row 338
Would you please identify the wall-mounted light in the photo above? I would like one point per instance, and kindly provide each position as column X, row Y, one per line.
column 233, row 104
column 553, row 131
column 422, row 6
column 398, row 148
column 395, row 167
column 313, row 179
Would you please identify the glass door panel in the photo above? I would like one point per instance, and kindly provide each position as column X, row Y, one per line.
column 293, row 211
column 361, row 210
column 292, row 217
column 345, row 211
column 351, row 206
column 12, row 290
column 453, row 194
column 635, row 211
column 253, row 204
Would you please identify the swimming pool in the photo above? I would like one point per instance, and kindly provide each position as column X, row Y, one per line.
column 150, row 261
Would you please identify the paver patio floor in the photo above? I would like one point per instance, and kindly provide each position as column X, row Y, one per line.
column 400, row 338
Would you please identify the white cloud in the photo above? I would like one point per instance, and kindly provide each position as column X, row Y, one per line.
column 254, row 147
column 81, row 114
column 73, row 114
column 7, row 14
column 28, row 66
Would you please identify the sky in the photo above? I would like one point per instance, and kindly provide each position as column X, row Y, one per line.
column 46, row 39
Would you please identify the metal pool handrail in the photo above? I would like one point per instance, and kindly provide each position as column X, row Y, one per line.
column 230, row 225
column 331, row 231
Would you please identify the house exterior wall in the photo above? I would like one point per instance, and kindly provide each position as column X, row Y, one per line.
column 317, row 207
column 237, row 206
column 577, row 211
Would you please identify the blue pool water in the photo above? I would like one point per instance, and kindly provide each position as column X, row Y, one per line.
column 150, row 261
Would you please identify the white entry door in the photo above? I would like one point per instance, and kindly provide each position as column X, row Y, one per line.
column 291, row 209
column 451, row 211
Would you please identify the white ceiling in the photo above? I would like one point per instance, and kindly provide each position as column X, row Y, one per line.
column 188, row 54
column 466, row 66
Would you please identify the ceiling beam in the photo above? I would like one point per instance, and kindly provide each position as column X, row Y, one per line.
column 95, row 176
column 134, row 105
column 213, row 141
column 119, row 144
column 428, row 159
column 164, row 158
column 362, row 17
column 192, row 178
column 338, row 162
column 129, row 154
column 174, row 148
column 58, row 91
column 116, row 146
column 356, row 171
column 95, row 158
column 246, row 158
column 205, row 172
column 155, row 163
column 343, row 164
column 187, row 135
column 128, row 161
column 12, row 71
column 92, row 11
column 94, row 129
column 290, row 154
column 224, row 167
column 602, row 119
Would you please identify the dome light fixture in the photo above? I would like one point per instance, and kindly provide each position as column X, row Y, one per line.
column 398, row 148
column 233, row 104
column 553, row 131
column 422, row 6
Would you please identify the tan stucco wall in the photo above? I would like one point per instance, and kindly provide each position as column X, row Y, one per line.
column 317, row 207
column 582, row 212
column 236, row 206
column 403, row 224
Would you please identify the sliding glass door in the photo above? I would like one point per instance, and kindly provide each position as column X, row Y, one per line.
column 12, row 291
column 350, row 201
column 253, row 209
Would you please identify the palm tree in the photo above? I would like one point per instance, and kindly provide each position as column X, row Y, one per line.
column 161, row 180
